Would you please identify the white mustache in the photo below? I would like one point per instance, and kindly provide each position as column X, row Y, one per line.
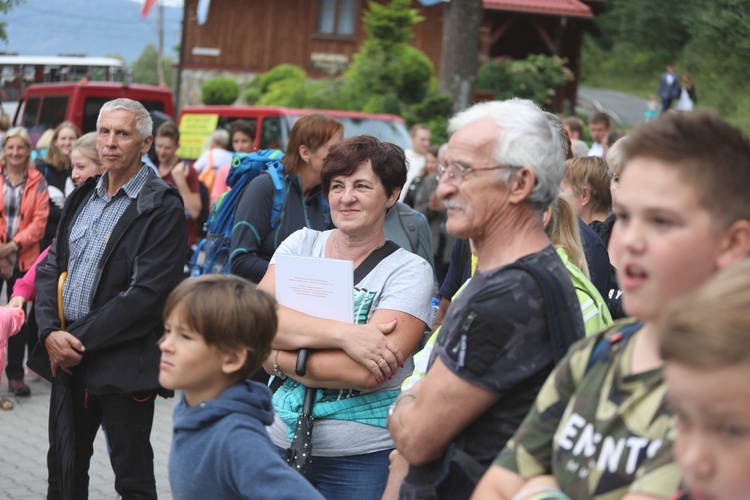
column 452, row 204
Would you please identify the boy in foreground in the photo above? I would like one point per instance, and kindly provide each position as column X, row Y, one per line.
column 600, row 427
column 218, row 330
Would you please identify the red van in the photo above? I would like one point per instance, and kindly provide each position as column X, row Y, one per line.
column 45, row 105
column 273, row 124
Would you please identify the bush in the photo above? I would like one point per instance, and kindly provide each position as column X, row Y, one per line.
column 251, row 95
column 325, row 94
column 536, row 78
column 278, row 73
column 221, row 90
column 290, row 93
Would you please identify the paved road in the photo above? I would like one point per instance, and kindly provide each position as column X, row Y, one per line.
column 625, row 109
column 23, row 448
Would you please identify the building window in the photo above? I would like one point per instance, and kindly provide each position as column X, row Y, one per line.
column 336, row 17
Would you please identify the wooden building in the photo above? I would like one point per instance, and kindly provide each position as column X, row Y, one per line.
column 245, row 37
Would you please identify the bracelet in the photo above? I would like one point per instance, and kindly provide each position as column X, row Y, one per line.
column 404, row 396
column 392, row 407
column 276, row 370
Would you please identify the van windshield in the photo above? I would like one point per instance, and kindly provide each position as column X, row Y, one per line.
column 386, row 131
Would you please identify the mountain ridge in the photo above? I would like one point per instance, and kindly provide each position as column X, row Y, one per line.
column 92, row 28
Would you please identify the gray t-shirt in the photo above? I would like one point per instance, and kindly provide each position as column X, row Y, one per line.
column 400, row 282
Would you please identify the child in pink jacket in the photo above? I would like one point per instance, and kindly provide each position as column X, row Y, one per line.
column 13, row 315
column 11, row 321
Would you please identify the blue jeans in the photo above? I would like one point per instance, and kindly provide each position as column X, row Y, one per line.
column 362, row 477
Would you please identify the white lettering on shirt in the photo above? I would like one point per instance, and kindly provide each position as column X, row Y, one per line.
column 582, row 441
column 571, row 428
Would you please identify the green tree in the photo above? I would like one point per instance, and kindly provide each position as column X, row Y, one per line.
column 5, row 6
column 707, row 38
column 663, row 26
column 537, row 77
column 717, row 53
column 390, row 25
column 386, row 63
column 144, row 68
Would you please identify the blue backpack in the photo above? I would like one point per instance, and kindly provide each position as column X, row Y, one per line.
column 212, row 253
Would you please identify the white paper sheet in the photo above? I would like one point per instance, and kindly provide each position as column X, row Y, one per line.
column 316, row 286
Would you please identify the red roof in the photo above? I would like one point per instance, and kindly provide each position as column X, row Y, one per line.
column 572, row 8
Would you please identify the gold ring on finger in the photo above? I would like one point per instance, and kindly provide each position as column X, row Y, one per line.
column 380, row 360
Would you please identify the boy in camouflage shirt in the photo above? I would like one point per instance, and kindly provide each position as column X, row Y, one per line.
column 600, row 427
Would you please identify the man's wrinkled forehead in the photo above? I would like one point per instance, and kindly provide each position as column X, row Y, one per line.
column 117, row 119
column 477, row 139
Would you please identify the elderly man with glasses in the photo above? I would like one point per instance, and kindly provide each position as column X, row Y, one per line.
column 502, row 169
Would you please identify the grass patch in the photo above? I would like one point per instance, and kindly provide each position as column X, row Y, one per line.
column 637, row 73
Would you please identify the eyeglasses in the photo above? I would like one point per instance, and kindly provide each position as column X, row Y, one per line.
column 455, row 172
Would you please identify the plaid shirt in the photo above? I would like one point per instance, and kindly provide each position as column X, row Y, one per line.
column 89, row 236
column 12, row 196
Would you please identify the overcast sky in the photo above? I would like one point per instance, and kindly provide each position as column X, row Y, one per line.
column 90, row 27
column 167, row 3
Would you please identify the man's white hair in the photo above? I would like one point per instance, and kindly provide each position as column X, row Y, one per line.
column 528, row 137
column 143, row 122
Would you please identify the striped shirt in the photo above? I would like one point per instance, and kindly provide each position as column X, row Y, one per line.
column 12, row 196
column 88, row 238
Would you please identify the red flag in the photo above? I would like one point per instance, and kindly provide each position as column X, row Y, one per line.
column 147, row 6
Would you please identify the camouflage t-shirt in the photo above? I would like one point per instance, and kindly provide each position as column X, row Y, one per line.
column 495, row 336
column 601, row 433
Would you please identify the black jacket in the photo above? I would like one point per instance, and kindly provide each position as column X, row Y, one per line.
column 142, row 262
column 56, row 179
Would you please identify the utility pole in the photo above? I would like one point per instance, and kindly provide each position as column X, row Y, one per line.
column 160, row 27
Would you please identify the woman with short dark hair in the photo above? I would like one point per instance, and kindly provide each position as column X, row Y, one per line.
column 357, row 368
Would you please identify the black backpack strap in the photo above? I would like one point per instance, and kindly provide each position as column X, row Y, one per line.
column 372, row 260
column 560, row 321
column 599, row 353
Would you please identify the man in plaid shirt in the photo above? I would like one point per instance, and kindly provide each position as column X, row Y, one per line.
column 118, row 253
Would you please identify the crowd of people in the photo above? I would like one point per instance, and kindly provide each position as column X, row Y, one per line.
column 534, row 317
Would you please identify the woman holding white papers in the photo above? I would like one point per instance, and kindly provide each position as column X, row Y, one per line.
column 358, row 369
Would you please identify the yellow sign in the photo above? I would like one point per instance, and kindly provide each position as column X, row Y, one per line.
column 194, row 130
